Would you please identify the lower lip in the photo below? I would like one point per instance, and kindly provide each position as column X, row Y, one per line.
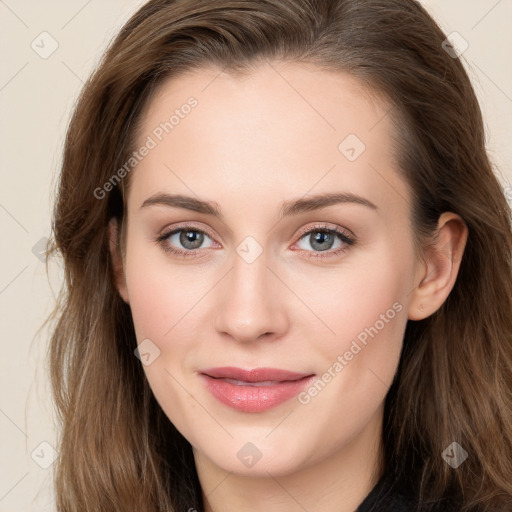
column 254, row 398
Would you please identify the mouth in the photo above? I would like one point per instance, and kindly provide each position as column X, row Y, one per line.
column 255, row 384
column 255, row 390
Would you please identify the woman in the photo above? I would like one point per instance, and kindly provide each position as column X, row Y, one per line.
column 209, row 352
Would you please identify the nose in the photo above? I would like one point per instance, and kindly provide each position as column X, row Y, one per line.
column 251, row 303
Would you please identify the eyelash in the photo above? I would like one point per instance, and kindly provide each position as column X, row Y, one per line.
column 348, row 241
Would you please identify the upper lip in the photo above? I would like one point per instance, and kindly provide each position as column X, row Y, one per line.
column 254, row 375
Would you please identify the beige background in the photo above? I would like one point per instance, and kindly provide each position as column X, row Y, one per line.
column 36, row 97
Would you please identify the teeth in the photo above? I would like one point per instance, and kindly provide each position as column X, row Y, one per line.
column 262, row 383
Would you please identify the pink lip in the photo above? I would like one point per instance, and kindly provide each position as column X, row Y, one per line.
column 253, row 397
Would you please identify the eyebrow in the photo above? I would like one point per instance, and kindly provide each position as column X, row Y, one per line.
column 291, row 207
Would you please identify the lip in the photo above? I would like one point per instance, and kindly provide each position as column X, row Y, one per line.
column 255, row 390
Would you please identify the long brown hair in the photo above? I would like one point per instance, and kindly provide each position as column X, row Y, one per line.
column 118, row 450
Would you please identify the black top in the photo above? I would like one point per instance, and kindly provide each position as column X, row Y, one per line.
column 385, row 498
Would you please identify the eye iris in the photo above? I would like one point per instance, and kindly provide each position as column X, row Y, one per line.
column 193, row 237
column 321, row 237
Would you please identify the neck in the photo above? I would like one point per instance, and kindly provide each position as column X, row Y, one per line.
column 338, row 482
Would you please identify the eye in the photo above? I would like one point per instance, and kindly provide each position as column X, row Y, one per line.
column 183, row 241
column 323, row 239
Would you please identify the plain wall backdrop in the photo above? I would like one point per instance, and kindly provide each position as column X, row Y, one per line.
column 48, row 50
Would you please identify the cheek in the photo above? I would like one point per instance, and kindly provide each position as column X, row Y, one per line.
column 162, row 300
column 160, row 293
column 365, row 310
column 365, row 307
column 362, row 300
column 150, row 307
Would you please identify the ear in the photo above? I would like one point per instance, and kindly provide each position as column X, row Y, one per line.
column 441, row 266
column 117, row 259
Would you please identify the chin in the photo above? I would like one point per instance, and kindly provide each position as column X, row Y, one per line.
column 256, row 459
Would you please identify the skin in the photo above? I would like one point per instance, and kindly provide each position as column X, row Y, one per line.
column 252, row 143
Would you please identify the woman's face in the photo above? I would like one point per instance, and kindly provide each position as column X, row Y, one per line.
column 265, row 166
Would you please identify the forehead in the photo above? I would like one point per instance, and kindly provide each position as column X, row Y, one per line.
column 281, row 125
column 315, row 95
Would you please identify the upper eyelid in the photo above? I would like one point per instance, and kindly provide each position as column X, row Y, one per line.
column 325, row 227
column 186, row 227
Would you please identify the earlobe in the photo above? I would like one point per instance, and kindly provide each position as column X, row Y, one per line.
column 117, row 260
column 440, row 267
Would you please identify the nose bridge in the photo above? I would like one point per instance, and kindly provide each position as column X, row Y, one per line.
column 250, row 306
column 250, row 279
